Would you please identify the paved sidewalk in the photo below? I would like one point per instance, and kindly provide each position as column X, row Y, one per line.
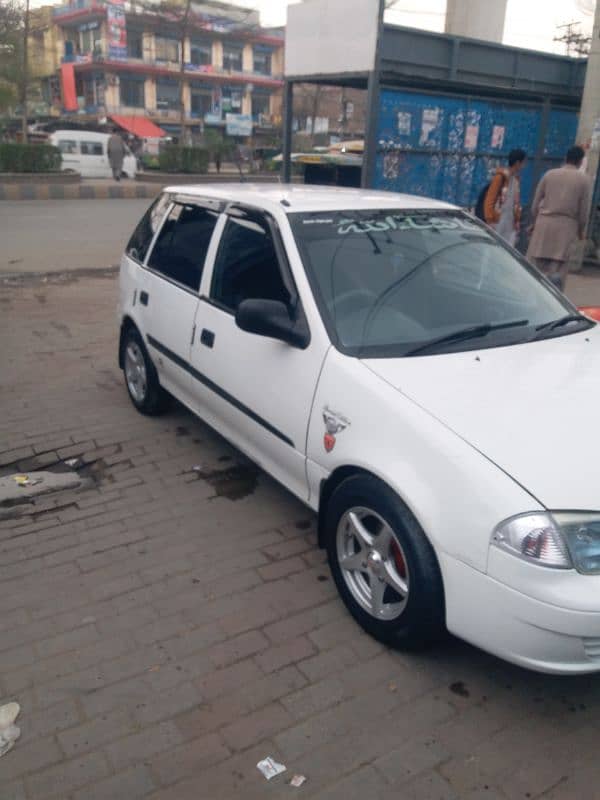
column 166, row 627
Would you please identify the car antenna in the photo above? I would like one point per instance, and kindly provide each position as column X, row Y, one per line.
column 285, row 202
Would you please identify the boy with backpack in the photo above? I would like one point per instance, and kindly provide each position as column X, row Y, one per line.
column 499, row 203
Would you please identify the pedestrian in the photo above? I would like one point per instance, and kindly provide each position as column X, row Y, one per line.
column 116, row 154
column 218, row 160
column 502, row 204
column 559, row 213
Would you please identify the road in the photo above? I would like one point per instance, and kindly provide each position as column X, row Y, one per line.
column 172, row 623
column 60, row 235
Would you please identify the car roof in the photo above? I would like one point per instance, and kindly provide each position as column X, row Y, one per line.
column 79, row 133
column 291, row 197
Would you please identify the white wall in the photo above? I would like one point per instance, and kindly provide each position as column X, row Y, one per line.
column 478, row 19
column 329, row 37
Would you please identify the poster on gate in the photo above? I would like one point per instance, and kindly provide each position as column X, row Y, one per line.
column 117, row 29
column 498, row 136
column 471, row 137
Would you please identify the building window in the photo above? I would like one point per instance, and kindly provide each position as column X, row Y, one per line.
column 86, row 41
column 167, row 95
column 200, row 52
column 231, row 100
column 135, row 43
column 232, row 57
column 201, row 102
column 166, row 49
column 131, row 92
column 261, row 107
column 262, row 62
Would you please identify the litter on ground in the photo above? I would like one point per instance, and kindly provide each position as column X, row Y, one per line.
column 9, row 732
column 270, row 768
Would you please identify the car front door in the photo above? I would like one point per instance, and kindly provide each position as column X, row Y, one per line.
column 256, row 390
column 169, row 290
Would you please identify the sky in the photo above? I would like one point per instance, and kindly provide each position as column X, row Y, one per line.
column 529, row 23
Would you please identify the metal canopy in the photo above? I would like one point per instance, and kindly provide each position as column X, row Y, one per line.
column 442, row 63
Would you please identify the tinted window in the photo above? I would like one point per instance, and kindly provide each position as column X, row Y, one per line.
column 67, row 146
column 247, row 266
column 182, row 244
column 91, row 148
column 142, row 237
column 391, row 281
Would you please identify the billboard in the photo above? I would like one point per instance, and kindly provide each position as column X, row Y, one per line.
column 238, row 124
column 117, row 30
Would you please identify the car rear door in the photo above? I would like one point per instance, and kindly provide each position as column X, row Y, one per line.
column 256, row 390
column 169, row 295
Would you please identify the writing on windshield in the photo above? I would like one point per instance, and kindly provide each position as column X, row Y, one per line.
column 397, row 222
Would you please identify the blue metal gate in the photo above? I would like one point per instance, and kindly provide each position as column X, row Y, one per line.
column 448, row 147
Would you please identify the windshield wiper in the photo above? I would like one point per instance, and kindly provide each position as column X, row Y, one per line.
column 474, row 332
column 558, row 323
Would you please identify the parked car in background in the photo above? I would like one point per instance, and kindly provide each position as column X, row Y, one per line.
column 406, row 375
column 86, row 152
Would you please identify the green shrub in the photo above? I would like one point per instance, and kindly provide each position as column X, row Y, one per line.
column 29, row 158
column 150, row 162
column 183, row 159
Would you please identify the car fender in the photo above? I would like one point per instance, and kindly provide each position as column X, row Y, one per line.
column 131, row 281
column 456, row 494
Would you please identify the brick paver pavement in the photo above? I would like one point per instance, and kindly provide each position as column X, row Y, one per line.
column 164, row 628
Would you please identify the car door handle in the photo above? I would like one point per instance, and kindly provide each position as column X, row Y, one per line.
column 207, row 338
column 144, row 297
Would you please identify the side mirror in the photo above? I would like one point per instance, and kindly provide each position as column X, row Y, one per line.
column 272, row 318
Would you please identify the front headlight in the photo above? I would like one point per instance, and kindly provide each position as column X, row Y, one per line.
column 557, row 539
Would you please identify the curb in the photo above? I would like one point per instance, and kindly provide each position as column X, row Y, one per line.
column 40, row 191
column 129, row 190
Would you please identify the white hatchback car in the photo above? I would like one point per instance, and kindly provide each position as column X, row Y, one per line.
column 404, row 373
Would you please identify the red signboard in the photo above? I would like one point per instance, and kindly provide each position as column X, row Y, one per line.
column 67, row 80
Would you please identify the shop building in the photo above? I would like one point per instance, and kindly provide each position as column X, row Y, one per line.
column 103, row 59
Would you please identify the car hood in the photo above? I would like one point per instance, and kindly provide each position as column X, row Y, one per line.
column 533, row 409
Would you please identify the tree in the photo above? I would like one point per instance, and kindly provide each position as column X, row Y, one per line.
column 14, row 72
column 12, row 24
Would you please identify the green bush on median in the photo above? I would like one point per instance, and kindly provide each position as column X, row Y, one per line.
column 29, row 158
column 183, row 159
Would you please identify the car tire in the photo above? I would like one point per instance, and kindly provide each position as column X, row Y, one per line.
column 141, row 378
column 383, row 565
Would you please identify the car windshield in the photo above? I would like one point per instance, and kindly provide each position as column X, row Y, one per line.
column 397, row 283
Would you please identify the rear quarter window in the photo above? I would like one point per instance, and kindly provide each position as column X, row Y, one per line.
column 138, row 245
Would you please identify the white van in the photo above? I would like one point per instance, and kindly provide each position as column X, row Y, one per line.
column 86, row 153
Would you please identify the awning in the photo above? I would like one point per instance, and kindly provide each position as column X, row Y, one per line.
column 139, row 126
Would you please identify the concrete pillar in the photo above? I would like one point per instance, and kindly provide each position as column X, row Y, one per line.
column 589, row 116
column 217, row 54
column 247, row 58
column 478, row 19
column 150, row 95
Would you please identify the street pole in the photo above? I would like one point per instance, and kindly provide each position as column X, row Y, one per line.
column 367, row 176
column 589, row 115
column 25, row 75
column 288, row 113
column 184, row 32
